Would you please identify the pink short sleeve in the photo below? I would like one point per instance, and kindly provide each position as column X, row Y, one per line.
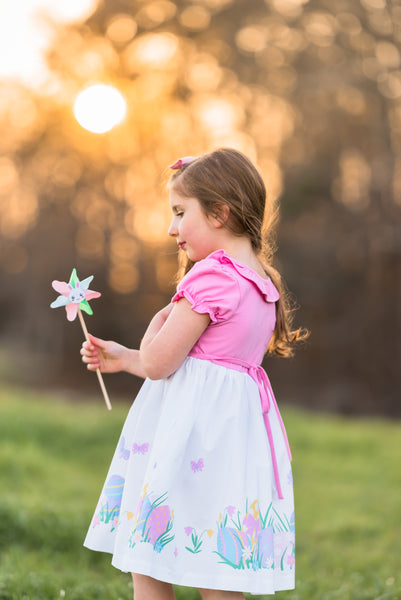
column 210, row 288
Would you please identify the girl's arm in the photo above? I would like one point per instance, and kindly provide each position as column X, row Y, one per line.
column 156, row 324
column 171, row 334
column 168, row 341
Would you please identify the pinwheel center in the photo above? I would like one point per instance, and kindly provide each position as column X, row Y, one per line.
column 76, row 296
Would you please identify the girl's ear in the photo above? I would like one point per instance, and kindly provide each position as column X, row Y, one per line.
column 220, row 214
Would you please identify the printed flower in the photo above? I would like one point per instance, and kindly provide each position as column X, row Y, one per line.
column 247, row 553
column 158, row 547
column 188, row 530
column 268, row 563
column 250, row 525
column 176, row 552
column 230, row 510
column 291, row 560
column 210, row 532
column 74, row 295
column 96, row 520
column 289, row 478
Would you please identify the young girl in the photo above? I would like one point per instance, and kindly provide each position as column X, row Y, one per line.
column 199, row 491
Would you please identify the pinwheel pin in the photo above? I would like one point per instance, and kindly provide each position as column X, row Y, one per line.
column 74, row 295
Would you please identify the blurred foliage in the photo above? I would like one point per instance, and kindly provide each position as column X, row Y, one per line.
column 310, row 89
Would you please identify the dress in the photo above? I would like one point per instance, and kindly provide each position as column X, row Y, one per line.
column 199, row 491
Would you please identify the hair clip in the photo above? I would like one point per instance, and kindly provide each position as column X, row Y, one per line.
column 181, row 162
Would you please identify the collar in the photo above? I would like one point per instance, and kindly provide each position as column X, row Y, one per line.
column 265, row 286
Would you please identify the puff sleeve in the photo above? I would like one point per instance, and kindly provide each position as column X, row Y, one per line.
column 210, row 288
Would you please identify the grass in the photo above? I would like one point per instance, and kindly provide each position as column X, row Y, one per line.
column 54, row 457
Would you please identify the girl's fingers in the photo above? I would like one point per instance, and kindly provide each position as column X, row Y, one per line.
column 90, row 355
column 88, row 346
column 94, row 341
column 93, row 367
column 91, row 363
column 89, row 359
column 88, row 350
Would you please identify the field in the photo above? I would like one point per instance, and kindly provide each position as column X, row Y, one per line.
column 54, row 456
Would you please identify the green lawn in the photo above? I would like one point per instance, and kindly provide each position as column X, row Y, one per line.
column 54, row 457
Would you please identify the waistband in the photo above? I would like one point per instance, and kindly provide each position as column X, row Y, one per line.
column 267, row 398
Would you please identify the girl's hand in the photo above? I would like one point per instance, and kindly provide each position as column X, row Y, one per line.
column 109, row 357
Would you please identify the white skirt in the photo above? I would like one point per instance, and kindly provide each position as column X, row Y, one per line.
column 190, row 497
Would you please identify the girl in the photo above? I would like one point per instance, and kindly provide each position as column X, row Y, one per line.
column 199, row 491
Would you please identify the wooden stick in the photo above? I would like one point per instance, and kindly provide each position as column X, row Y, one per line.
column 98, row 373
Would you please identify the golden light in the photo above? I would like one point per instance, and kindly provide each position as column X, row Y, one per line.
column 156, row 50
column 99, row 108
column 25, row 35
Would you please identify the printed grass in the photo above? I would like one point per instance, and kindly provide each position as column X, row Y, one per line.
column 54, row 456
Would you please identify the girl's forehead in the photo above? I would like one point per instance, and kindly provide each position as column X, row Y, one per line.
column 176, row 198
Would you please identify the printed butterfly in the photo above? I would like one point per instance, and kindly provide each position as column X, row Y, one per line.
column 123, row 452
column 197, row 466
column 140, row 449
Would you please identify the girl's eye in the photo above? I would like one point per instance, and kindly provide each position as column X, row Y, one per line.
column 179, row 214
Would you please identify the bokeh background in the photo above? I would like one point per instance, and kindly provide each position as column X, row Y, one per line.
column 309, row 89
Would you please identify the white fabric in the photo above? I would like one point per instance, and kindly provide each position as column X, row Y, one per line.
column 190, row 495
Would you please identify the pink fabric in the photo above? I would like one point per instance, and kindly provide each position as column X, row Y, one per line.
column 240, row 303
column 241, row 306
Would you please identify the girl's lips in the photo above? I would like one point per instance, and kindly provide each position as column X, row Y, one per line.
column 181, row 245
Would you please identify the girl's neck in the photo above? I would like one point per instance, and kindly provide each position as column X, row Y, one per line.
column 240, row 249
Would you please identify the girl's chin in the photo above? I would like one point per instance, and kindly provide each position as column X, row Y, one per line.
column 196, row 257
column 193, row 256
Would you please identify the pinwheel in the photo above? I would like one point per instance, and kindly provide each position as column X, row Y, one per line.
column 74, row 295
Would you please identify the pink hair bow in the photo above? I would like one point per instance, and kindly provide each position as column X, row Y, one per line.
column 181, row 162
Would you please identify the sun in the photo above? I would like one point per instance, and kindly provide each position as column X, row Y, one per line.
column 99, row 108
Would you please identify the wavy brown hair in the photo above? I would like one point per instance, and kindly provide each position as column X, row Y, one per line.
column 227, row 177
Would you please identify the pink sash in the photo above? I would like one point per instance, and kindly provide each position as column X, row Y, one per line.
column 260, row 377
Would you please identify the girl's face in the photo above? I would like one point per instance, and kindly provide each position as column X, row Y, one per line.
column 195, row 233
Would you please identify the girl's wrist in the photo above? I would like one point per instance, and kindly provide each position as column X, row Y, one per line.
column 133, row 363
column 129, row 360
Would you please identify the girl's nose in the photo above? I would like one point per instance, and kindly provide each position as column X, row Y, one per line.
column 172, row 230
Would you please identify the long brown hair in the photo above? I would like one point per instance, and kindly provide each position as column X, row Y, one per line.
column 227, row 177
